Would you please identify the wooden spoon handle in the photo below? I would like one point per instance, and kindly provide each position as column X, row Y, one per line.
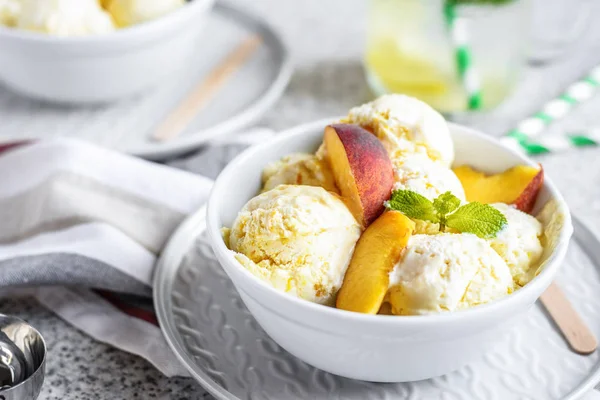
column 184, row 113
column 569, row 322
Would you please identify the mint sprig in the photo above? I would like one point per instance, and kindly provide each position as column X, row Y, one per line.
column 412, row 204
column 480, row 219
column 444, row 205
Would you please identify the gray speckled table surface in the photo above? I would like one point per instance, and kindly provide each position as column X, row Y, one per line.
column 326, row 39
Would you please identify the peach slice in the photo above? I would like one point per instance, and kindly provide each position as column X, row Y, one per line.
column 362, row 170
column 526, row 200
column 518, row 185
column 377, row 251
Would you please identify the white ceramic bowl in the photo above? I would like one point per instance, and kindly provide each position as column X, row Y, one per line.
column 100, row 68
column 373, row 347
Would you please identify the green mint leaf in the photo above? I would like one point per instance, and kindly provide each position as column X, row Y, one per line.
column 412, row 204
column 482, row 220
column 446, row 203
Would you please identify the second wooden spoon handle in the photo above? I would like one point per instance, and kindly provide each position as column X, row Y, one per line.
column 577, row 334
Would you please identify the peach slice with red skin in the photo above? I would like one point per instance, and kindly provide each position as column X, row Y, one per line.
column 362, row 170
column 526, row 200
column 377, row 251
column 518, row 185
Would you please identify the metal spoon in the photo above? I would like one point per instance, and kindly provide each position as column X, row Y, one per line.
column 22, row 360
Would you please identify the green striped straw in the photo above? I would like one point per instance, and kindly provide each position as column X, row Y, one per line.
column 554, row 144
column 459, row 35
column 524, row 134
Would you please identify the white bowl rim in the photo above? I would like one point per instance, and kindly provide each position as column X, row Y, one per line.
column 120, row 34
column 218, row 245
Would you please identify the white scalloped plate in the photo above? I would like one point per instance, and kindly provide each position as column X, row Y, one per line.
column 223, row 348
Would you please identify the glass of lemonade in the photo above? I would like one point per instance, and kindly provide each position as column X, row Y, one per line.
column 410, row 49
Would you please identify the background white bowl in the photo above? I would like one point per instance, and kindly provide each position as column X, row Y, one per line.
column 100, row 68
column 372, row 347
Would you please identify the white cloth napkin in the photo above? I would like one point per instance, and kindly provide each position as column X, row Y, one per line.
column 75, row 216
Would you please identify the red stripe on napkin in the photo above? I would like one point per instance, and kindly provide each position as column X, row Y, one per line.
column 8, row 146
column 128, row 309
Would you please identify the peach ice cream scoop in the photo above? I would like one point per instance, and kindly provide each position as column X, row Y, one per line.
column 9, row 12
column 299, row 169
column 406, row 124
column 64, row 17
column 426, row 177
column 299, row 239
column 519, row 242
column 447, row 272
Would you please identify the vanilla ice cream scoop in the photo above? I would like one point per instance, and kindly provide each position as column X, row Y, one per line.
column 396, row 119
column 9, row 12
column 519, row 242
column 64, row 17
column 130, row 12
column 299, row 239
column 299, row 169
column 447, row 272
column 426, row 177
